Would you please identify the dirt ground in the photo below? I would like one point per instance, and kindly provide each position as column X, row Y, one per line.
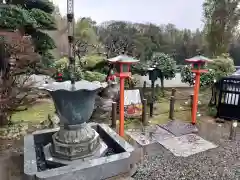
column 11, row 159
column 11, row 152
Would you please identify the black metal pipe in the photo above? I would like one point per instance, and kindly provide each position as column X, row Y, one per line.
column 71, row 56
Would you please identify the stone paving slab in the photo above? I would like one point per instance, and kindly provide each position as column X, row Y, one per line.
column 141, row 138
column 179, row 128
column 148, row 141
column 187, row 145
column 161, row 134
column 151, row 135
column 183, row 145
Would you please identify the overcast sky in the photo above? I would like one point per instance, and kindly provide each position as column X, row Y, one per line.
column 182, row 13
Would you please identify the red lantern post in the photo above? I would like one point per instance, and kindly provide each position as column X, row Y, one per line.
column 198, row 64
column 122, row 64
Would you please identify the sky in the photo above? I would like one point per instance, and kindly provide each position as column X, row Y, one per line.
column 182, row 13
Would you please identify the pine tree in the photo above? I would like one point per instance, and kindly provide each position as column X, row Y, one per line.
column 31, row 17
column 221, row 19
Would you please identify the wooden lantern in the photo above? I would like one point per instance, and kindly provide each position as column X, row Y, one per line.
column 122, row 65
column 198, row 67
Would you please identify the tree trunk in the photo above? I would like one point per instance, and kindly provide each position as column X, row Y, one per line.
column 3, row 119
column 215, row 93
column 212, row 101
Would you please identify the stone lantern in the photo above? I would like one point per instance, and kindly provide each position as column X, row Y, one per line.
column 153, row 74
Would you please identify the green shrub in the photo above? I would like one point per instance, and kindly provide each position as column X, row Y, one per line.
column 91, row 60
column 94, row 76
column 61, row 66
column 165, row 63
column 212, row 111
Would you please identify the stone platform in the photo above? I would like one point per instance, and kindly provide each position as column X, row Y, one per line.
column 187, row 145
column 182, row 145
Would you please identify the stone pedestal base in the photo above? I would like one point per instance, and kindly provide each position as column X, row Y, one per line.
column 72, row 144
column 99, row 152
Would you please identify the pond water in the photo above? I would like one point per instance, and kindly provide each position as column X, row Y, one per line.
column 175, row 82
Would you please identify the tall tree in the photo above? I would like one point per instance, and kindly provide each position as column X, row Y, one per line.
column 118, row 37
column 221, row 18
column 87, row 40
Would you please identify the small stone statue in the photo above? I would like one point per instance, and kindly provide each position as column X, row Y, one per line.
column 103, row 103
column 111, row 91
column 54, row 120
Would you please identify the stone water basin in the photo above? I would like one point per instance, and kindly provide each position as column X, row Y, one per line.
column 119, row 158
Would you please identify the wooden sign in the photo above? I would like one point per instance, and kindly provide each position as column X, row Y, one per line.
column 132, row 103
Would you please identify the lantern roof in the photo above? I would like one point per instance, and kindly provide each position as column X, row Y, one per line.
column 123, row 59
column 198, row 59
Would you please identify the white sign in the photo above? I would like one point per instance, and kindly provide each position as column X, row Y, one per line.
column 132, row 97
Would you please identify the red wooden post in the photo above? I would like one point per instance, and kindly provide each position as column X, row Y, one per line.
column 198, row 63
column 123, row 64
column 121, row 128
column 195, row 97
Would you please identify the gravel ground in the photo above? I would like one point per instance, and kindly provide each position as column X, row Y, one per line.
column 221, row 163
